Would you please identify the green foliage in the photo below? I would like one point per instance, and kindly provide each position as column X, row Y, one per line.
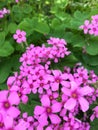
column 29, row 107
column 6, row 49
column 94, row 125
column 2, row 38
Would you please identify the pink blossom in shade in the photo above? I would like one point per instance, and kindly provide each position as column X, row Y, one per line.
column 7, row 103
column 46, row 110
column 85, row 27
column 5, row 11
column 1, row 14
column 71, row 123
column 76, row 94
column 16, row 1
column 20, row 36
column 95, row 113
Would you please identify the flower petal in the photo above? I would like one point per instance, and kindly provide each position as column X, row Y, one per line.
column 45, row 100
column 14, row 98
column 56, row 72
column 8, row 122
column 73, row 85
column 86, row 90
column 84, row 104
column 3, row 95
column 55, row 119
column 39, row 110
column 43, row 120
column 13, row 112
column 70, row 104
column 56, row 107
column 54, row 86
column 66, row 91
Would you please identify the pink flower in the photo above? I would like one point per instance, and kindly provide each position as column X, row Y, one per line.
column 85, row 27
column 7, row 102
column 20, row 36
column 95, row 113
column 1, row 14
column 76, row 94
column 48, row 110
column 16, row 1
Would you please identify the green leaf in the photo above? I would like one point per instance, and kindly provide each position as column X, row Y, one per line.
column 27, row 9
column 55, row 23
column 77, row 40
column 2, row 38
column 94, row 125
column 16, row 9
column 68, row 36
column 5, row 68
column 18, row 17
column 3, row 86
column 6, row 49
column 78, row 19
column 42, row 27
column 27, row 26
column 12, row 27
column 91, row 60
column 92, row 47
column 14, row 61
column 29, row 107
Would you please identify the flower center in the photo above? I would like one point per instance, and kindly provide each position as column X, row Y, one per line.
column 31, row 85
column 19, row 94
column 41, row 84
column 57, row 80
column 74, row 95
column 1, row 124
column 10, row 129
column 48, row 110
column 6, row 105
column 51, row 97
column 41, row 78
column 20, row 36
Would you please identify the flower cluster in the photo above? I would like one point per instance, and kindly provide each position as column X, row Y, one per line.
column 91, row 27
column 64, row 96
column 3, row 12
